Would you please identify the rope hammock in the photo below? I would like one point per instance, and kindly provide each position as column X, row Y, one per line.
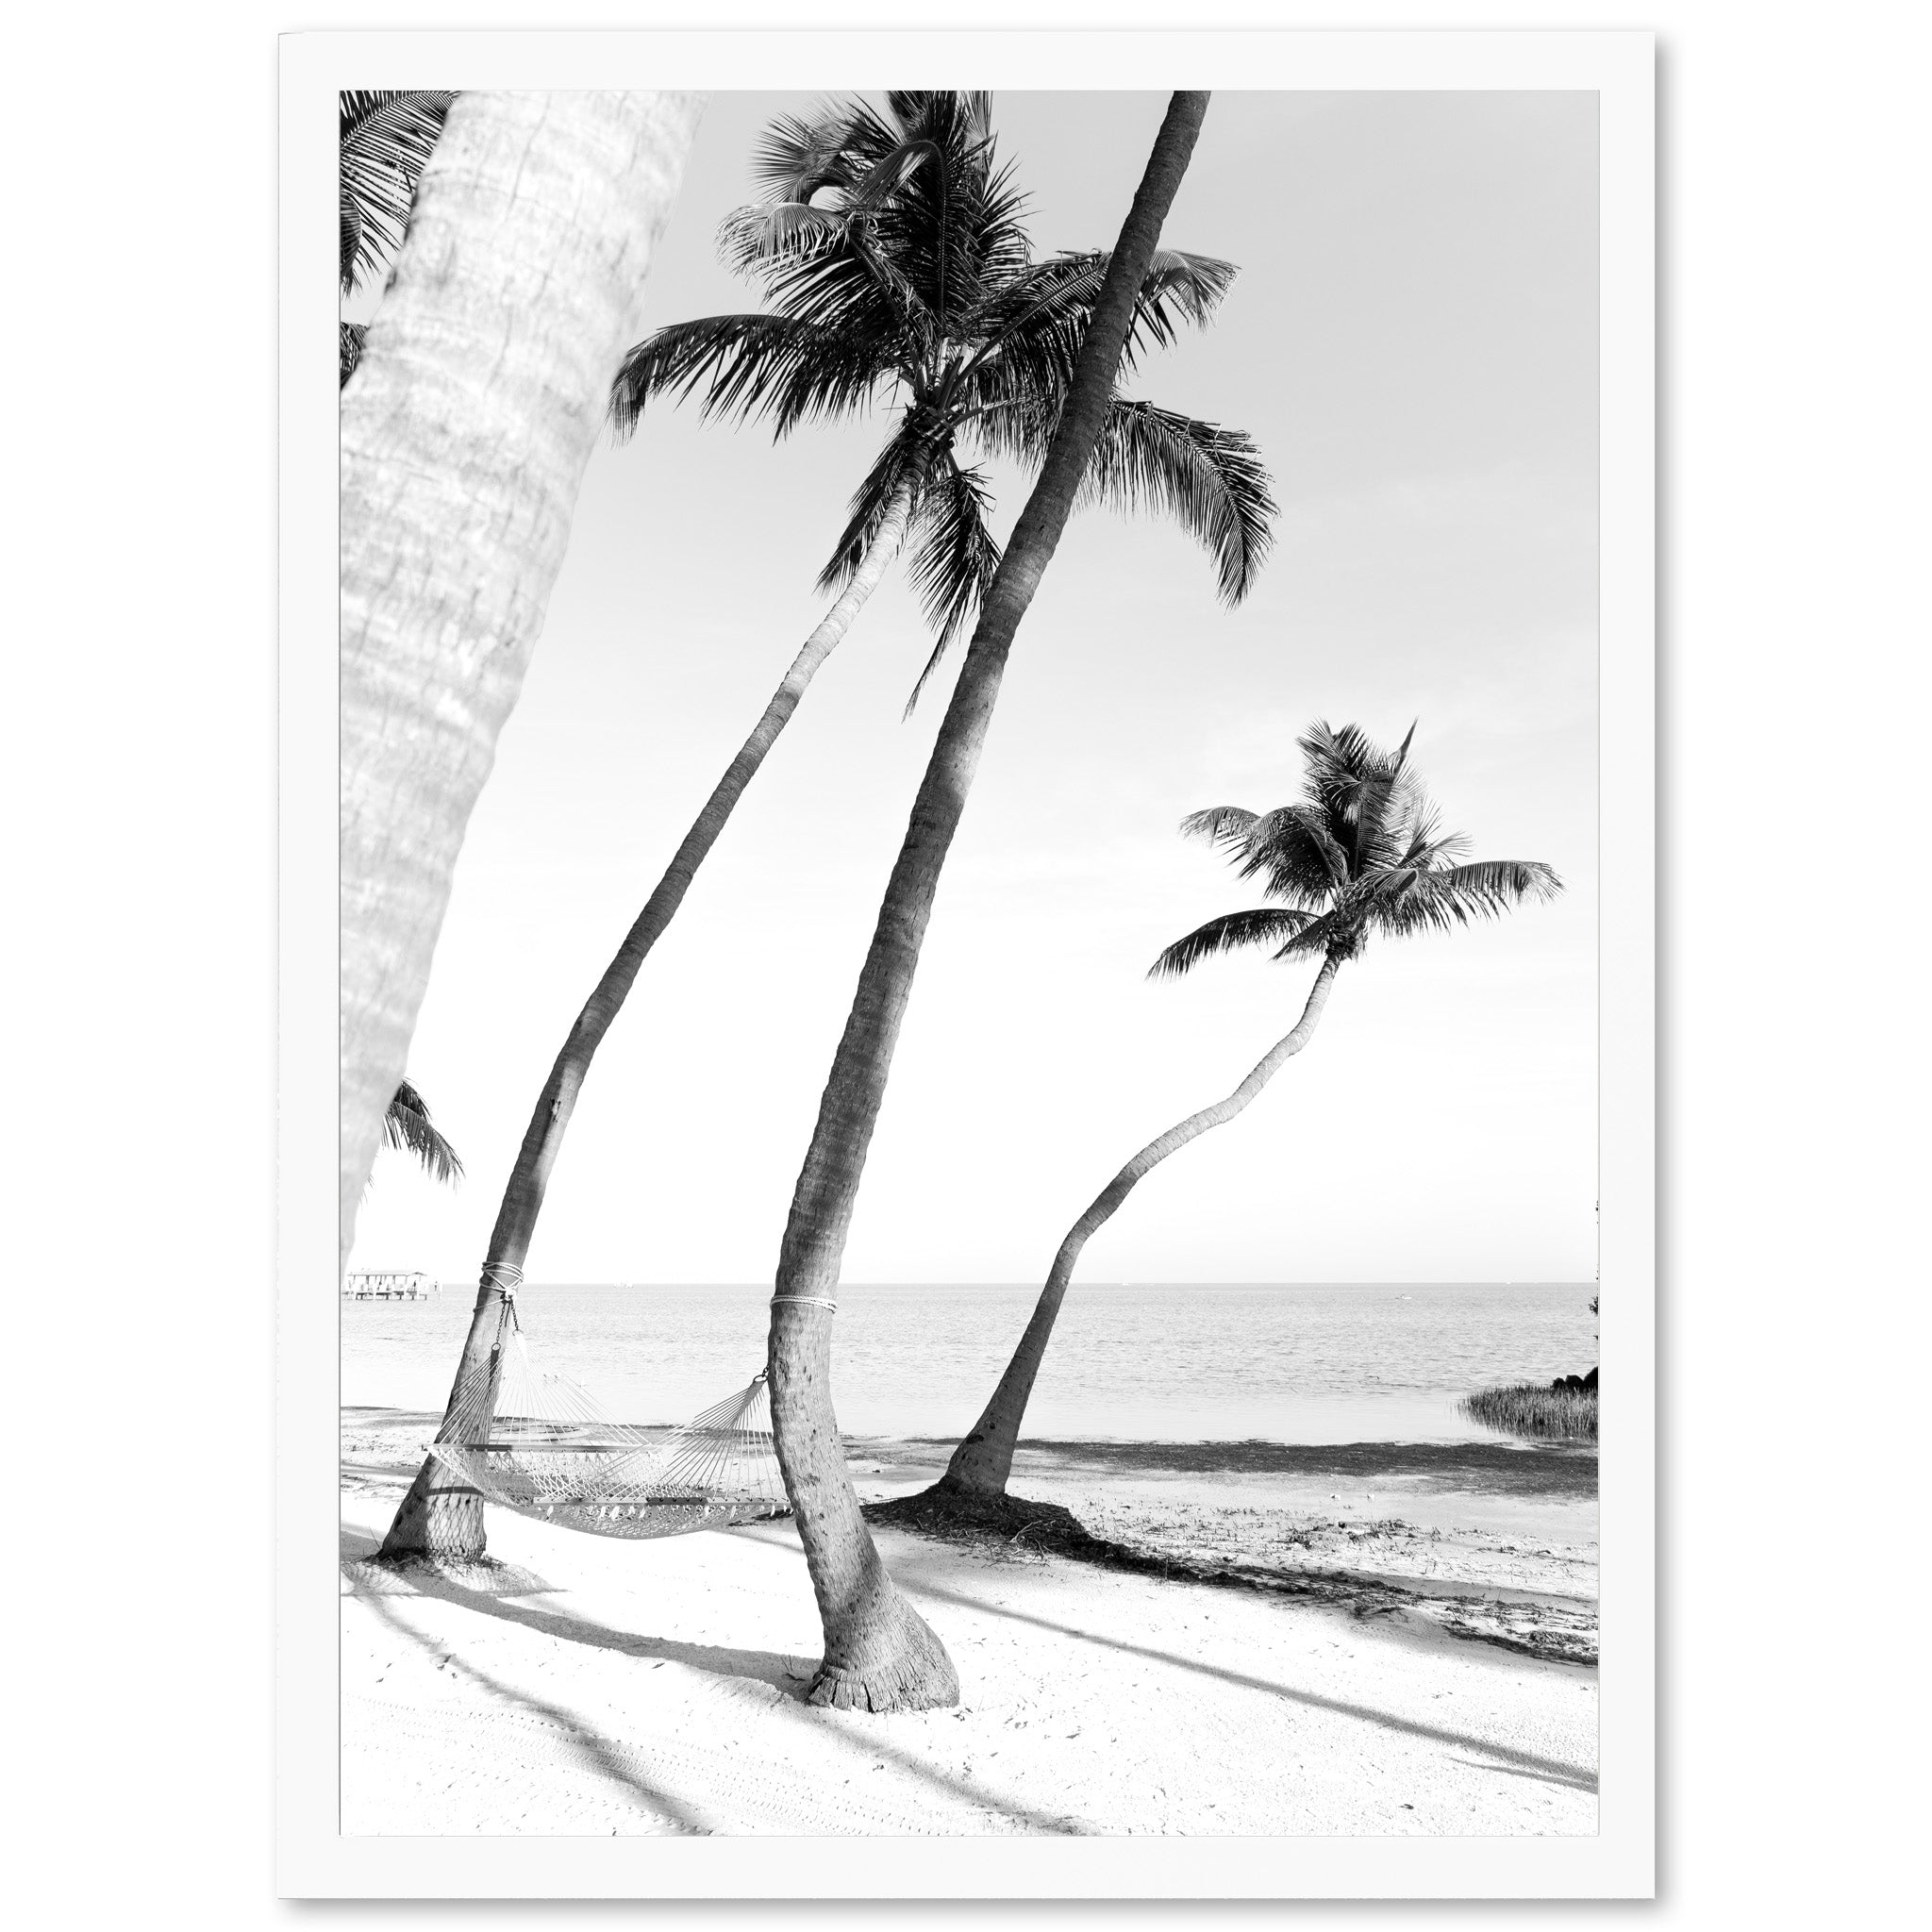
column 537, row 1442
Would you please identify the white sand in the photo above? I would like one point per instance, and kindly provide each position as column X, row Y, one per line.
column 655, row 1687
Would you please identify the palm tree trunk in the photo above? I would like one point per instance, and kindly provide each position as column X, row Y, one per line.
column 880, row 1654
column 984, row 1458
column 464, row 438
column 442, row 1516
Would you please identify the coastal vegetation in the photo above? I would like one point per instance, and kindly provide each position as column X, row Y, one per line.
column 892, row 253
column 1360, row 855
column 1549, row 1413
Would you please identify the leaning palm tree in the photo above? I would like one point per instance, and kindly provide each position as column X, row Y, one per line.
column 880, row 1654
column 385, row 140
column 407, row 1128
column 891, row 249
column 1361, row 855
column 464, row 438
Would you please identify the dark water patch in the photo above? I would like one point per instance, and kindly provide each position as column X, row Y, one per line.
column 1486, row 1468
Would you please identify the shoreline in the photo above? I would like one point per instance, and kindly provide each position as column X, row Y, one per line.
column 1296, row 1667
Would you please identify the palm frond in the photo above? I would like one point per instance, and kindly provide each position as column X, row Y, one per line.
column 351, row 339
column 1262, row 926
column 905, row 462
column 1336, row 759
column 1462, row 895
column 1031, row 324
column 1414, row 838
column 944, row 212
column 796, row 157
column 385, row 141
column 1210, row 480
column 407, row 1127
column 1507, row 881
column 1056, row 299
column 1225, row 824
column 773, row 365
column 1179, row 288
column 1295, row 850
column 1334, row 931
column 843, row 278
column 768, row 234
column 956, row 555
column 912, row 112
column 1355, row 788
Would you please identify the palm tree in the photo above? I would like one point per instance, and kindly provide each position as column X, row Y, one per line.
column 407, row 1127
column 385, row 141
column 463, row 440
column 1361, row 855
column 880, row 1654
column 892, row 250
column 914, row 283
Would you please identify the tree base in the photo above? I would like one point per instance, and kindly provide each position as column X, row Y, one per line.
column 454, row 1576
column 440, row 1520
column 994, row 1523
column 904, row 1668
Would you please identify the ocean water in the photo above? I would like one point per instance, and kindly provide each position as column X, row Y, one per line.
column 1292, row 1364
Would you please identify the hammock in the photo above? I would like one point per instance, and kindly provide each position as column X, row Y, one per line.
column 537, row 1442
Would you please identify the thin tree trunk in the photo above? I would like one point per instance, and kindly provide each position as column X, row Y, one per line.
column 464, row 437
column 442, row 1516
column 880, row 1654
column 984, row 1458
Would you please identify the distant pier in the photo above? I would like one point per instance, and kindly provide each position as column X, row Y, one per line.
column 387, row 1287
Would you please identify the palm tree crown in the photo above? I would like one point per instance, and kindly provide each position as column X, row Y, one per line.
column 1361, row 852
column 890, row 248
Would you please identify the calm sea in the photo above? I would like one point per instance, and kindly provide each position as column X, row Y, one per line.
column 1281, row 1364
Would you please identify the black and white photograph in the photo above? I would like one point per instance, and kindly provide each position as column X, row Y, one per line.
column 958, row 963
column 989, row 1172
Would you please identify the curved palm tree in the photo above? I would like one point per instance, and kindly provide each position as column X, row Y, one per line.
column 385, row 144
column 1359, row 855
column 891, row 249
column 407, row 1127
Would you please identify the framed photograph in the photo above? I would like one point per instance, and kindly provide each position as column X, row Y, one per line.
column 967, row 813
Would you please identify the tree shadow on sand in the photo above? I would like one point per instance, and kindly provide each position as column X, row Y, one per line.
column 787, row 1675
column 1507, row 1757
column 486, row 1586
column 609, row 1760
column 1008, row 1527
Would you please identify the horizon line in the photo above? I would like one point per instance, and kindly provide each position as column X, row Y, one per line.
column 1470, row 1281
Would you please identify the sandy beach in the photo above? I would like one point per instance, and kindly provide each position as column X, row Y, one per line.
column 1376, row 1639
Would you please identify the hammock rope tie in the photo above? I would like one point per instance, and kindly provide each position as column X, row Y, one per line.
column 807, row 1301
column 504, row 1276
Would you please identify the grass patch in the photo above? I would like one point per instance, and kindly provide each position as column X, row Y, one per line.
column 1541, row 1413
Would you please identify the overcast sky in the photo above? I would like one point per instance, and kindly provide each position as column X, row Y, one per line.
column 1412, row 343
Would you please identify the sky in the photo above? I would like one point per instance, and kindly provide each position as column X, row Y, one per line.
column 1412, row 343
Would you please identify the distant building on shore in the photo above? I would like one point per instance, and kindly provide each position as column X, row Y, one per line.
column 411, row 1287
